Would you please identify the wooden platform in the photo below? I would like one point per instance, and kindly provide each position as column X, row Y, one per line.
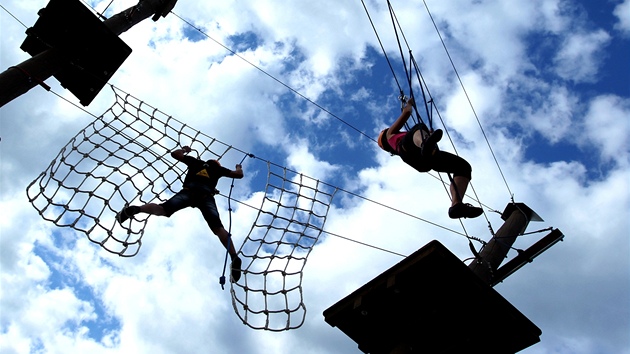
column 92, row 52
column 431, row 302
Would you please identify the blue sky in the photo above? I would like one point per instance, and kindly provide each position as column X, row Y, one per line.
column 548, row 80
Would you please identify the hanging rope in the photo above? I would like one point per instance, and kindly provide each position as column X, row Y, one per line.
column 229, row 241
column 427, row 99
column 383, row 50
column 461, row 83
column 102, row 13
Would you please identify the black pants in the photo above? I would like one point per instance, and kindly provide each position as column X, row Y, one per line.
column 440, row 161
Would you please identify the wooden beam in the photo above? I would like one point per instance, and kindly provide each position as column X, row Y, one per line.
column 526, row 256
column 517, row 216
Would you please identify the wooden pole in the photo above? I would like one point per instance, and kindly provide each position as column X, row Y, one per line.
column 496, row 250
column 19, row 79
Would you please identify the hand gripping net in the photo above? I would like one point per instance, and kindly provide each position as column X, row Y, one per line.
column 121, row 158
column 289, row 222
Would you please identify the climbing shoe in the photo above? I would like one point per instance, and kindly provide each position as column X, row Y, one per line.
column 236, row 269
column 462, row 210
column 126, row 213
column 429, row 145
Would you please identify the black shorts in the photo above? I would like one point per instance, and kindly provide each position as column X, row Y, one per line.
column 196, row 199
column 440, row 161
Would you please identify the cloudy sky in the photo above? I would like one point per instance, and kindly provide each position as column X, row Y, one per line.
column 548, row 81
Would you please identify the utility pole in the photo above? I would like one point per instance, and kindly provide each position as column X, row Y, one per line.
column 516, row 216
column 495, row 251
column 19, row 79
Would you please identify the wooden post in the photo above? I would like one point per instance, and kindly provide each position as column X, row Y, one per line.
column 19, row 79
column 517, row 216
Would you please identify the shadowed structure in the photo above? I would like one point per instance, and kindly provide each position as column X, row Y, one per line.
column 91, row 52
column 431, row 302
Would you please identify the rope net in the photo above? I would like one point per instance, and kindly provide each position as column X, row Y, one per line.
column 289, row 223
column 121, row 158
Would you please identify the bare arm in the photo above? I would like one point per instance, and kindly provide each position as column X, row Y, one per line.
column 237, row 173
column 402, row 119
column 181, row 153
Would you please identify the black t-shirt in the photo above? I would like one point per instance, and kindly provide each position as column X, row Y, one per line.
column 203, row 174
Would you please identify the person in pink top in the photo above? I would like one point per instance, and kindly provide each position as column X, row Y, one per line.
column 418, row 148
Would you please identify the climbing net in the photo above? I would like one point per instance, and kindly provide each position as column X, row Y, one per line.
column 289, row 223
column 119, row 159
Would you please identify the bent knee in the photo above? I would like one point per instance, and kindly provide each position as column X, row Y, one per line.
column 464, row 169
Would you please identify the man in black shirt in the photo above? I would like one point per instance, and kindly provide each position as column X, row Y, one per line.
column 198, row 192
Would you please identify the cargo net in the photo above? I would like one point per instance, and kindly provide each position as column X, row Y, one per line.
column 289, row 222
column 121, row 158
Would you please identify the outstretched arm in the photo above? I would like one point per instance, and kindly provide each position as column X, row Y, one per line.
column 181, row 153
column 238, row 173
column 402, row 119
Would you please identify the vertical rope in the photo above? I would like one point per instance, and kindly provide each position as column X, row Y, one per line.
column 461, row 83
column 229, row 240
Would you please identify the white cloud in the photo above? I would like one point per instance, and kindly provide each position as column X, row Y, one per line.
column 167, row 298
column 555, row 117
column 580, row 57
column 622, row 12
column 300, row 159
column 608, row 128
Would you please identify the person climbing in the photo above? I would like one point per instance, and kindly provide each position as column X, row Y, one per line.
column 198, row 191
column 418, row 148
